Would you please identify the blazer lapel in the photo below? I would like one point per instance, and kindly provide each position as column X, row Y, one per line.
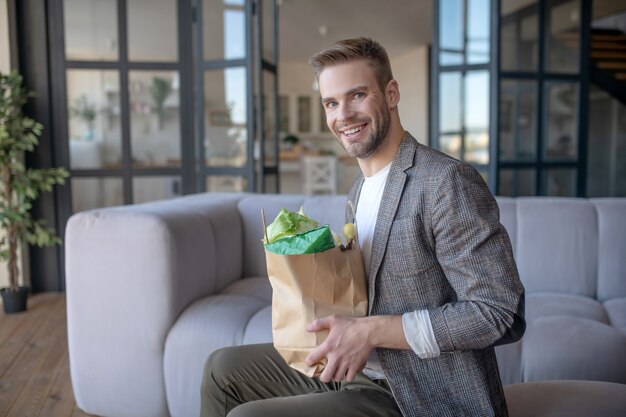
column 388, row 207
column 353, row 197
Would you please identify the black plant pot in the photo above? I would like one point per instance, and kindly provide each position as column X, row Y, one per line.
column 14, row 301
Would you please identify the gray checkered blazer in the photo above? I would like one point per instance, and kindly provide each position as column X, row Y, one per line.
column 439, row 245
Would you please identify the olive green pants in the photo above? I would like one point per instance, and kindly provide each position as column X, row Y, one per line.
column 253, row 380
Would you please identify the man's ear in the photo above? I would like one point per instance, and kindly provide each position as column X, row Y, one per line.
column 392, row 94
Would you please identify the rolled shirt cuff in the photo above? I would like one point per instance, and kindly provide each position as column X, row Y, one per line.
column 418, row 331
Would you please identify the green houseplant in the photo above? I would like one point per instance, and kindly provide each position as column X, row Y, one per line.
column 159, row 90
column 20, row 186
column 85, row 111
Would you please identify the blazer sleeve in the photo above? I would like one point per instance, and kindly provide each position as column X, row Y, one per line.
column 475, row 254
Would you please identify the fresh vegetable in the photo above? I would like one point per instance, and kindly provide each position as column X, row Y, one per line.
column 349, row 231
column 288, row 223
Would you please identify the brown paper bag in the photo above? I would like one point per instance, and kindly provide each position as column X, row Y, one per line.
column 308, row 287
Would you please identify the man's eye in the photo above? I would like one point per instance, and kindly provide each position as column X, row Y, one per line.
column 331, row 104
column 359, row 95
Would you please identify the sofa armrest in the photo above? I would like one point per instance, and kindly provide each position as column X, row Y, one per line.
column 130, row 271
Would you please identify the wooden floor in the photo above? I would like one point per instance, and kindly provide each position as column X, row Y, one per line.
column 34, row 368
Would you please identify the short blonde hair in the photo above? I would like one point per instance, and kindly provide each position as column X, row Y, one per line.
column 352, row 50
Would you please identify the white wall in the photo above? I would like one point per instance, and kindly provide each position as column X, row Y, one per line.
column 411, row 72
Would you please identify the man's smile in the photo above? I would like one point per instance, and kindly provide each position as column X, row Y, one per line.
column 352, row 131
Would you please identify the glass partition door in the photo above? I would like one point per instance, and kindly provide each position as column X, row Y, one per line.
column 236, row 98
column 128, row 101
column 141, row 124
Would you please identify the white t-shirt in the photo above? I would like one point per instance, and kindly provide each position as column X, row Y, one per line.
column 417, row 327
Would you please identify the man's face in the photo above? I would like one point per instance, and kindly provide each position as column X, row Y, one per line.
column 356, row 109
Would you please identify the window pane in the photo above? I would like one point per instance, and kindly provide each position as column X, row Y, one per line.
column 152, row 30
column 478, row 31
column 155, row 118
column 224, row 29
column 226, row 183
column 519, row 47
column 451, row 145
column 155, row 188
column 560, row 133
column 477, row 100
column 477, row 148
column 270, row 135
column 225, row 123
column 560, row 182
column 606, row 156
column 563, row 40
column 90, row 193
column 90, row 30
column 528, row 43
column 508, row 49
column 451, row 28
column 517, row 182
column 94, row 119
column 450, row 102
column 518, row 120
column 304, row 114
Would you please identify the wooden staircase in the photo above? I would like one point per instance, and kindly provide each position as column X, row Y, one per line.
column 608, row 52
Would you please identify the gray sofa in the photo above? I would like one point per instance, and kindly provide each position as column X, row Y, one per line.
column 153, row 289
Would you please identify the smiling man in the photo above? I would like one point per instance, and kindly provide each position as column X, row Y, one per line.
column 443, row 285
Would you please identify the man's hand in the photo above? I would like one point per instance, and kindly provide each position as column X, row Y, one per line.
column 347, row 347
column 350, row 341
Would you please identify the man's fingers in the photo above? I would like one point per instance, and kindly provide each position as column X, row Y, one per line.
column 316, row 354
column 314, row 357
column 351, row 374
column 340, row 373
column 328, row 372
column 319, row 324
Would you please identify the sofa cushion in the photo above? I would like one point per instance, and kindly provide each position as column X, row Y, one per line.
column 259, row 328
column 616, row 310
column 566, row 399
column 555, row 304
column 611, row 244
column 557, row 252
column 257, row 287
column 562, row 347
column 206, row 325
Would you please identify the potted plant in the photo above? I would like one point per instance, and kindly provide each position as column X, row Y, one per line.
column 159, row 90
column 20, row 186
column 291, row 141
column 85, row 111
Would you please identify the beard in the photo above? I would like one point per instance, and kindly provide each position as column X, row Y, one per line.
column 378, row 132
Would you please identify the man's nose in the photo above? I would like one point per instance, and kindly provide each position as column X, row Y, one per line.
column 346, row 112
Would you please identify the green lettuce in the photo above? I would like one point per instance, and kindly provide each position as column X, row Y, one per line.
column 288, row 223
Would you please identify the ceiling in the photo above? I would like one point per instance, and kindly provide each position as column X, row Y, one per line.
column 399, row 25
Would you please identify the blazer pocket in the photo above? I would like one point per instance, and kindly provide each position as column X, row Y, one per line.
column 408, row 252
